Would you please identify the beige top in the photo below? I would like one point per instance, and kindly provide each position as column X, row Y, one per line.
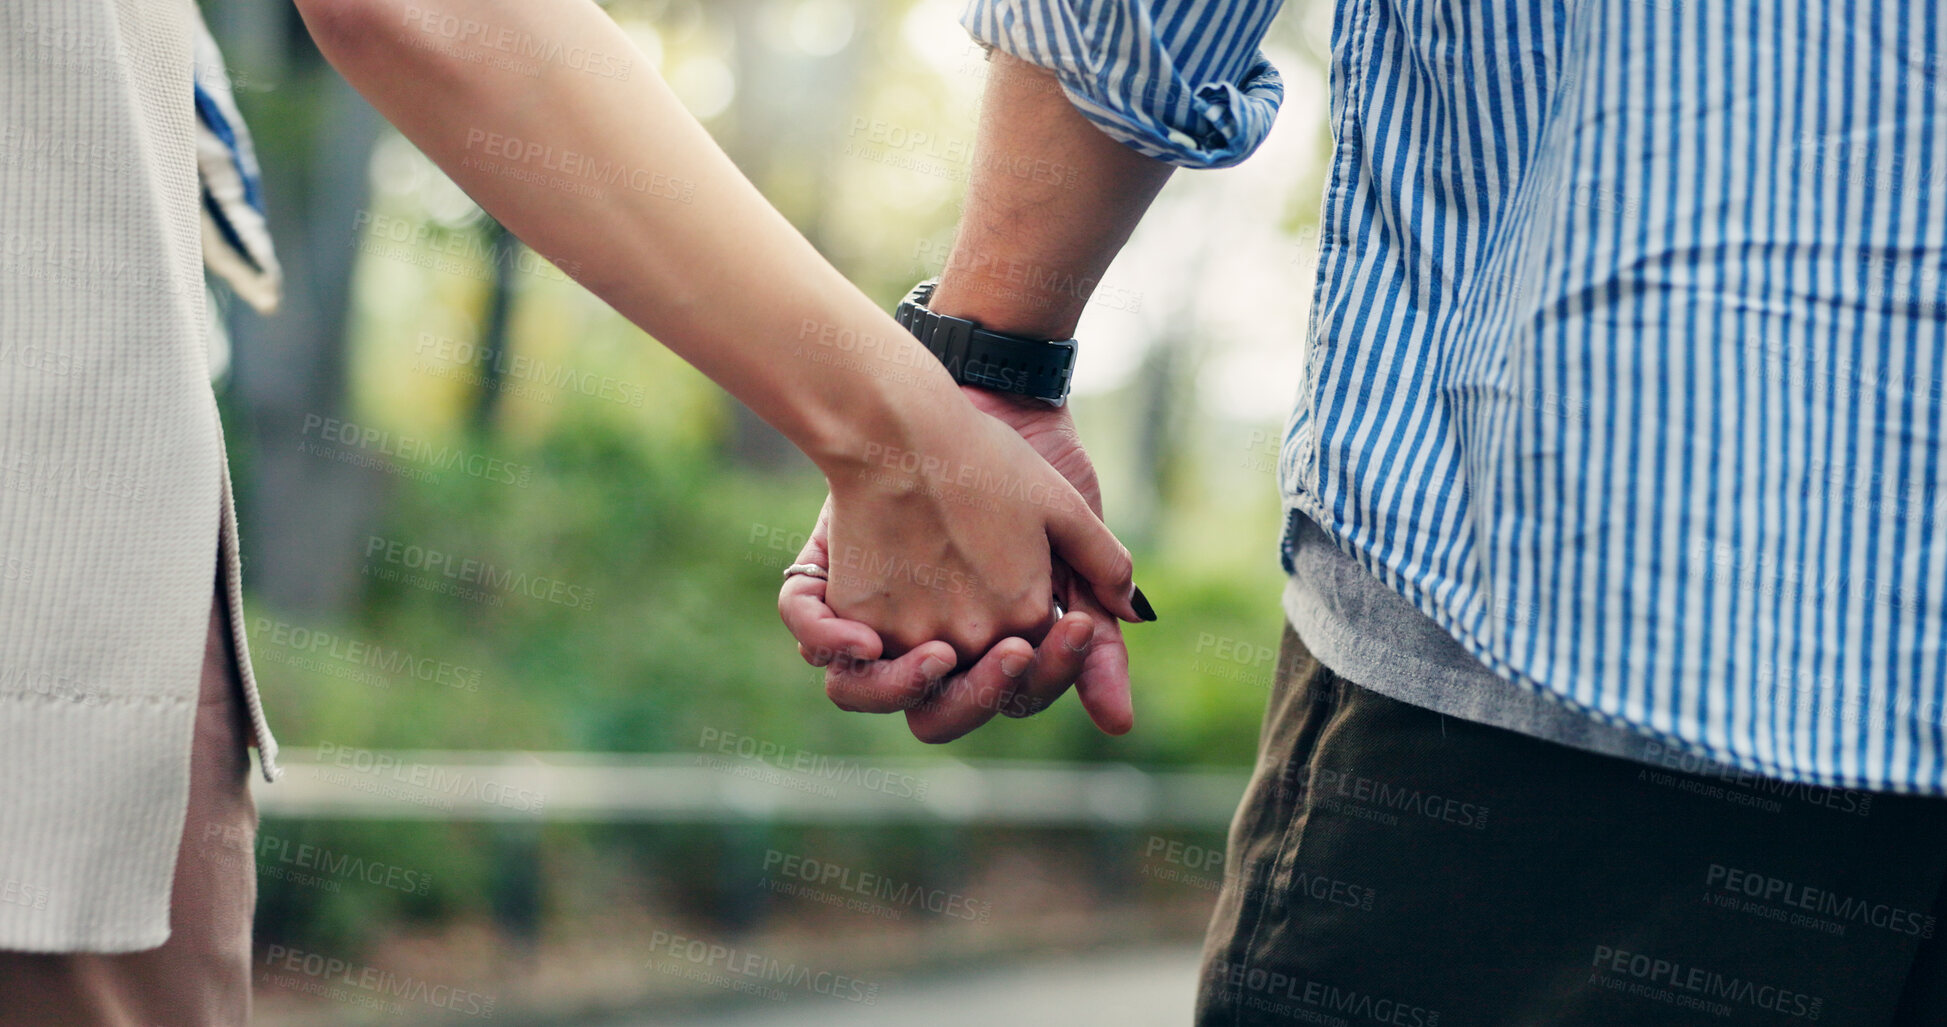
column 114, row 498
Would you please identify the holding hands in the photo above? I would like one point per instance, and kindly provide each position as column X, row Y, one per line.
column 963, row 530
column 1015, row 652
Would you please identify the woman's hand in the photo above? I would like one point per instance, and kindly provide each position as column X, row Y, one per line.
column 1014, row 679
column 959, row 538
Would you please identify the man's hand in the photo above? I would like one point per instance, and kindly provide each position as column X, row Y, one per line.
column 1103, row 680
column 1014, row 678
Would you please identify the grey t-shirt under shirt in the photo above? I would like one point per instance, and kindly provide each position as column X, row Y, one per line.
column 1376, row 638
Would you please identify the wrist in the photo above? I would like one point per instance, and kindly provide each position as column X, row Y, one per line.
column 1008, row 406
column 1003, row 302
column 885, row 429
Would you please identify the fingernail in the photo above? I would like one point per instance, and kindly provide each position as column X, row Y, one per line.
column 933, row 668
column 1012, row 666
column 1141, row 603
column 1076, row 638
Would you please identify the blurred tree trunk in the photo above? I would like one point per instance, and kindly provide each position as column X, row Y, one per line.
column 303, row 516
column 494, row 339
column 782, row 124
column 1159, row 434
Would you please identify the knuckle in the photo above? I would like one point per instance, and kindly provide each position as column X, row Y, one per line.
column 1027, row 613
column 899, row 641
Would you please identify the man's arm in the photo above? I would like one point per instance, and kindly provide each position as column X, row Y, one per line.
column 1089, row 103
column 1050, row 202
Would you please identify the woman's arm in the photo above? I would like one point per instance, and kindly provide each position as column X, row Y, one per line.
column 612, row 179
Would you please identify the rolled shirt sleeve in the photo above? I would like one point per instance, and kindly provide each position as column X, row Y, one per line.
column 1177, row 80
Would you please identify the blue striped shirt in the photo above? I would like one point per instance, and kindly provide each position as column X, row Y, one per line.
column 1177, row 80
column 1625, row 356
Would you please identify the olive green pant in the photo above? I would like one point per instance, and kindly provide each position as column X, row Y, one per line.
column 1393, row 866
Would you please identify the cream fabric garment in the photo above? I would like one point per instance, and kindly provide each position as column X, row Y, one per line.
column 114, row 500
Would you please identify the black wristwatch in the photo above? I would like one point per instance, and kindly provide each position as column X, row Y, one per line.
column 973, row 355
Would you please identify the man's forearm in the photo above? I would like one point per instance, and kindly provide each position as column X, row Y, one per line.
column 1050, row 202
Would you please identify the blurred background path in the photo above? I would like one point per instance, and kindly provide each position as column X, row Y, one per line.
column 1151, row 987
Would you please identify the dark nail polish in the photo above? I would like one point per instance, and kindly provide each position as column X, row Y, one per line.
column 1141, row 603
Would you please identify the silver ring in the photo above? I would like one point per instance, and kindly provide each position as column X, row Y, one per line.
column 809, row 570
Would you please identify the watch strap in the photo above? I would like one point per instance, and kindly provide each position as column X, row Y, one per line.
column 1042, row 368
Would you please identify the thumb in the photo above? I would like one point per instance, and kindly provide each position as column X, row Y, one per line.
column 1092, row 551
column 1103, row 686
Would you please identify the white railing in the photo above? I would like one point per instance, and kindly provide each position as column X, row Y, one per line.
column 330, row 782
